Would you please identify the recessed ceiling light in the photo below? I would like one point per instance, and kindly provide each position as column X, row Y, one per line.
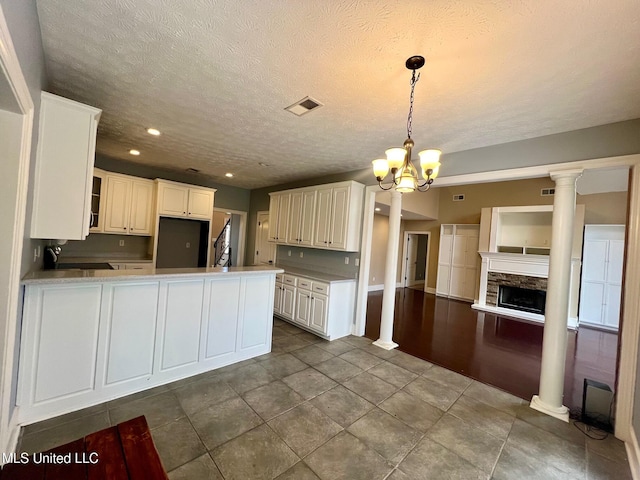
column 153, row 131
column 134, row 152
column 228, row 175
column 227, row 213
column 377, row 209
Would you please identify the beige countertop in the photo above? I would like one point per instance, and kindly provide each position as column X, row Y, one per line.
column 86, row 276
column 313, row 275
column 114, row 259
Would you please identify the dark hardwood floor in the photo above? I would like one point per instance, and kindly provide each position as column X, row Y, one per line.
column 499, row 351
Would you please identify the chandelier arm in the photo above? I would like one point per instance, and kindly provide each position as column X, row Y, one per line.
column 391, row 185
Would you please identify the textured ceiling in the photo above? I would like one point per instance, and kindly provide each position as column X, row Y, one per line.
column 215, row 76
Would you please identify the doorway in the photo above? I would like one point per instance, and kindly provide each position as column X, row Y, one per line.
column 228, row 232
column 415, row 259
column 264, row 251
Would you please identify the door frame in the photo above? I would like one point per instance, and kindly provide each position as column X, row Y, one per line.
column 12, row 239
column 242, row 236
column 404, row 255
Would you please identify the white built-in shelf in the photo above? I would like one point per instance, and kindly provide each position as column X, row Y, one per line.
column 521, row 229
column 523, row 250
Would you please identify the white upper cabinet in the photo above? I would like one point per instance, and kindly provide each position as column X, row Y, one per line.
column 129, row 202
column 326, row 216
column 64, row 169
column 182, row 200
column 302, row 206
column 279, row 217
column 98, row 195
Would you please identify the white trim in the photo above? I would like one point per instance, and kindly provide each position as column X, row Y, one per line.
column 10, row 66
column 376, row 288
column 537, row 171
column 630, row 324
column 243, row 232
column 633, row 454
column 429, row 290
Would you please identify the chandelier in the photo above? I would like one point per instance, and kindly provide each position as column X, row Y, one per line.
column 405, row 175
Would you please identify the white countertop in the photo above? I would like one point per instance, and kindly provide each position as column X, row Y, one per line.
column 63, row 260
column 75, row 276
column 312, row 275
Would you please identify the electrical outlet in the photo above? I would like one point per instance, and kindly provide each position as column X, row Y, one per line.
column 121, row 243
column 188, row 245
column 346, row 260
column 301, row 254
column 356, row 262
column 373, row 279
column 289, row 252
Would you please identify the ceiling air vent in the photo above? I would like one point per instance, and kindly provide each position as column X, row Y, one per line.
column 192, row 170
column 459, row 197
column 545, row 192
column 303, row 106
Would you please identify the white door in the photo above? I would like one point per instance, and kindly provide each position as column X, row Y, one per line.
column 411, row 260
column 265, row 251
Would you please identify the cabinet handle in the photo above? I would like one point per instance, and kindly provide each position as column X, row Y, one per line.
column 184, row 213
column 124, row 228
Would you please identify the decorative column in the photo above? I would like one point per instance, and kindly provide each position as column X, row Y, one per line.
column 390, row 273
column 554, row 342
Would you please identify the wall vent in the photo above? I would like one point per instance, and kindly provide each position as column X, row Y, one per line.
column 192, row 170
column 545, row 192
column 303, row 106
column 459, row 197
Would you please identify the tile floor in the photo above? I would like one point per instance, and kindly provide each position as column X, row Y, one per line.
column 345, row 409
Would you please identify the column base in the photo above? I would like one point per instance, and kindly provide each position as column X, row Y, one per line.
column 385, row 345
column 561, row 413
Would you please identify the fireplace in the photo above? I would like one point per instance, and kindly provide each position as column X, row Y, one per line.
column 523, row 299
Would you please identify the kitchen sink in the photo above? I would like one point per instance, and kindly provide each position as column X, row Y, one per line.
column 84, row 266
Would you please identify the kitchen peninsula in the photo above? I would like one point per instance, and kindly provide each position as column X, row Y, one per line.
column 89, row 336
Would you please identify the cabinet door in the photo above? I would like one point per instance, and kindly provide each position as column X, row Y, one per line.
column 339, row 217
column 594, row 261
column 118, row 204
column 64, row 367
column 295, row 218
column 288, row 302
column 323, row 217
column 181, row 319
column 277, row 299
column 306, row 218
column 172, row 200
column 131, row 327
column 615, row 261
column 319, row 313
column 141, row 207
column 303, row 306
column 592, row 297
column 222, row 318
column 456, row 285
column 274, row 207
column 611, row 311
column 444, row 264
column 283, row 218
column 200, row 204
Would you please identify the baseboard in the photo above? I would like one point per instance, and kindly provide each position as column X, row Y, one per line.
column 633, row 454
column 375, row 288
column 431, row 290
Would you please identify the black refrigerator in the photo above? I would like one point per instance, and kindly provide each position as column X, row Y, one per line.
column 182, row 243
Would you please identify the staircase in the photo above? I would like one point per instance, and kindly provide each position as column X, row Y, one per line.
column 222, row 247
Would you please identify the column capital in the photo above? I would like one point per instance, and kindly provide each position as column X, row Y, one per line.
column 566, row 174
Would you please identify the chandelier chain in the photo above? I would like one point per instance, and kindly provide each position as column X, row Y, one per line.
column 414, row 80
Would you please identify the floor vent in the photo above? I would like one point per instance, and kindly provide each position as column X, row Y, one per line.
column 303, row 106
column 459, row 197
column 546, row 192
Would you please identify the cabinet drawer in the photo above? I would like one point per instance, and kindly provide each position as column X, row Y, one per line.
column 290, row 280
column 305, row 284
column 322, row 288
column 279, row 277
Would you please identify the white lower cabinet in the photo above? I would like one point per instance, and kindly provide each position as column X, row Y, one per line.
column 326, row 309
column 458, row 261
column 88, row 342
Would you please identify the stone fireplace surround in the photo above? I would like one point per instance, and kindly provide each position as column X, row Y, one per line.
column 495, row 280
